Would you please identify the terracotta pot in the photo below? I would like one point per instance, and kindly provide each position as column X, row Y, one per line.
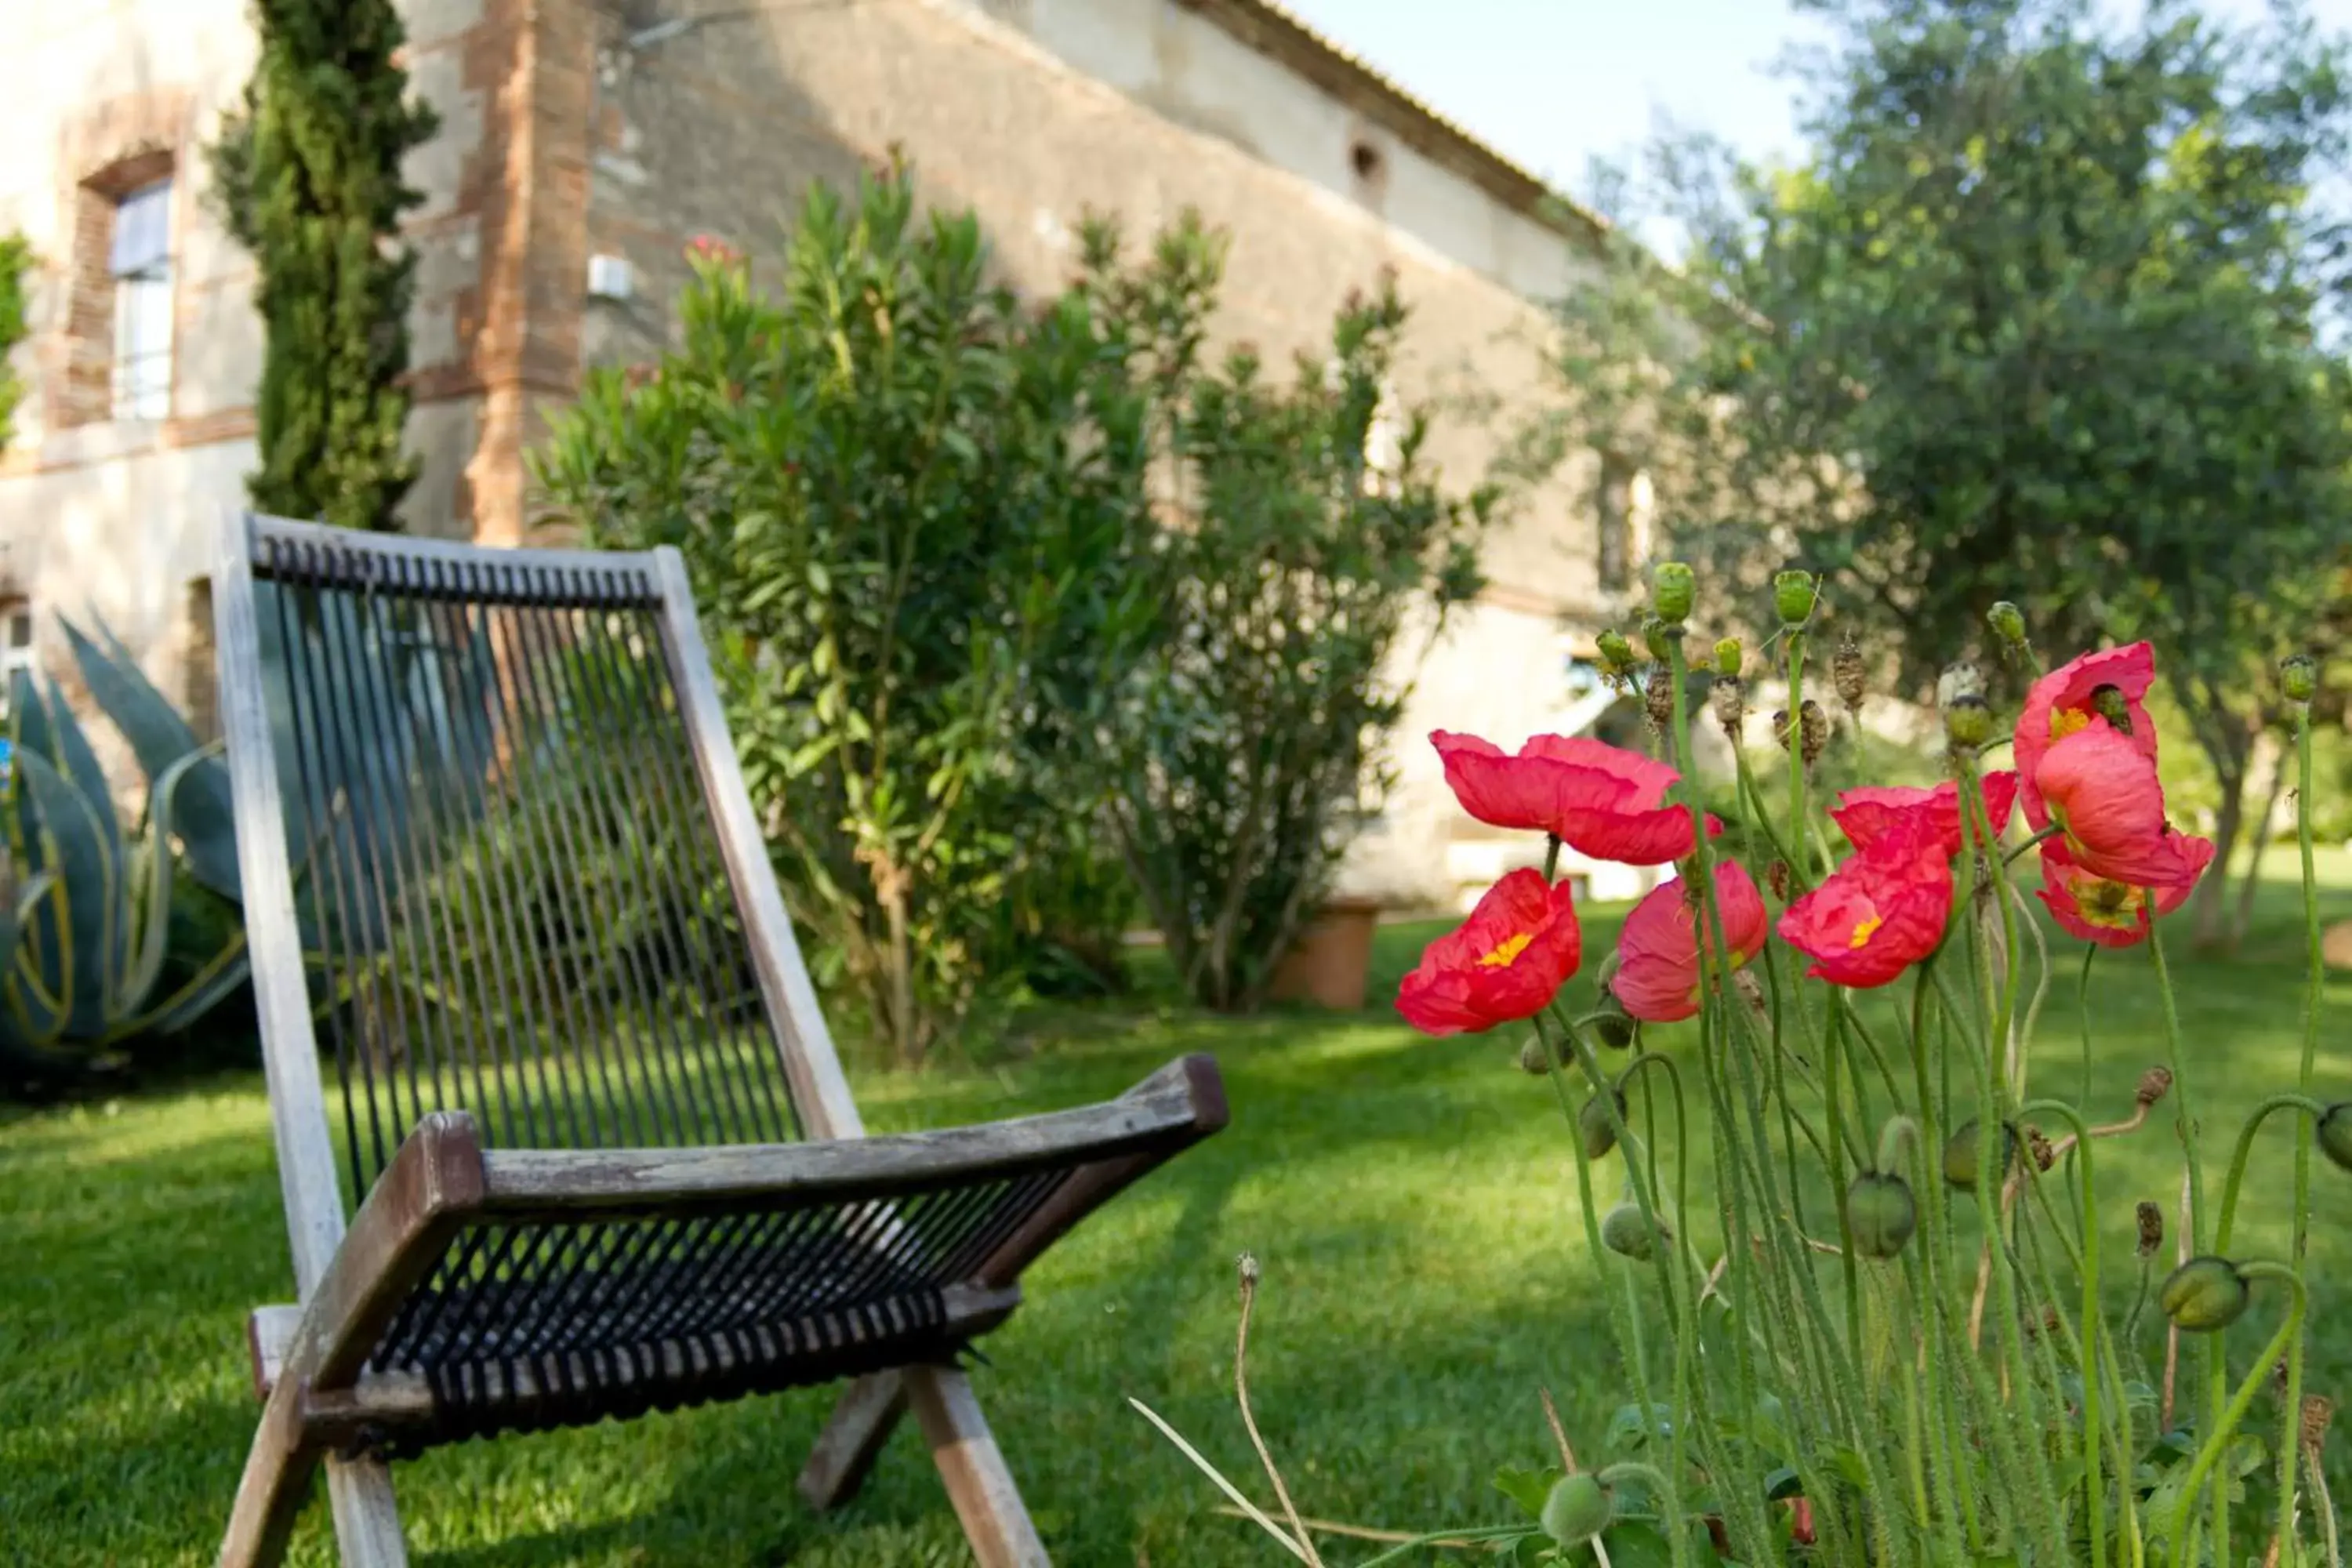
column 1332, row 962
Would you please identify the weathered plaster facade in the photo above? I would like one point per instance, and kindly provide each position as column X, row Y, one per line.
column 573, row 129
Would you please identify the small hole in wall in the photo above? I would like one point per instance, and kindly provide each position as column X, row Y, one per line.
column 1367, row 160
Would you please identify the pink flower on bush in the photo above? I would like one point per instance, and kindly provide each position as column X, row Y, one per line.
column 1600, row 800
column 1507, row 962
column 1657, row 976
column 1866, row 815
column 1881, row 911
column 712, row 250
column 2066, row 701
column 2108, row 912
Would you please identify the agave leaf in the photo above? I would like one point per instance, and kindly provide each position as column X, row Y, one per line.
column 207, row 989
column 32, row 1018
column 145, row 961
column 37, row 1020
column 14, row 913
column 85, row 839
column 28, row 717
column 91, row 837
column 160, row 739
column 38, row 1006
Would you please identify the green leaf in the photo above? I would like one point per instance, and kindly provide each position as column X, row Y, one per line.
column 1528, row 1488
column 1633, row 1544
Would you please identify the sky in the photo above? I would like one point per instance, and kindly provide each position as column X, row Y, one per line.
column 1549, row 83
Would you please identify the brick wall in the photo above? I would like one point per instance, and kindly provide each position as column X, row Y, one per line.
column 104, row 153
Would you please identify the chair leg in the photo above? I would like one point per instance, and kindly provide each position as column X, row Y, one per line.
column 852, row 1441
column 994, row 1519
column 269, row 1495
column 367, row 1524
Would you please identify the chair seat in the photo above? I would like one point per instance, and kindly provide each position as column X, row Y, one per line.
column 525, row 1327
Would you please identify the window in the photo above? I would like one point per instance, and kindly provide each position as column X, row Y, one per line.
column 1614, row 557
column 16, row 646
column 139, row 259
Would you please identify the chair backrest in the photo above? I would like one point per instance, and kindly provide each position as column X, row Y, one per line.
column 514, row 868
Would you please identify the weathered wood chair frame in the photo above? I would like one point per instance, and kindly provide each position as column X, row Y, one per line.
column 334, row 1390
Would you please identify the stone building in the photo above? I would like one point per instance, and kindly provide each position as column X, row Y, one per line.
column 584, row 142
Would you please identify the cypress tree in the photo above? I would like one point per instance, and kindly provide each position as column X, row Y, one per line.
column 308, row 181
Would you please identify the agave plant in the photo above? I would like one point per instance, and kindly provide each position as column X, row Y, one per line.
column 86, row 907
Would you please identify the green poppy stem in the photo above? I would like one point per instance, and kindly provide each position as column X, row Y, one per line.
column 2217, row 1441
column 2093, row 1432
column 2312, row 1110
column 2291, row 1416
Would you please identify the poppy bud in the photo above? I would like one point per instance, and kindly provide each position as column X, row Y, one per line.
column 1672, row 589
column 1612, row 1026
column 2154, row 1085
column 2109, row 701
column 1577, row 1509
column 1658, row 697
column 1595, row 1129
column 2335, row 1134
column 2204, row 1295
column 1847, row 673
column 2045, row 1153
column 1777, row 875
column 1729, row 700
column 1813, row 732
column 1616, row 654
column 1967, row 722
column 1960, row 1154
column 2318, row 1415
column 2008, row 623
column 1792, row 596
column 1624, row 1232
column 1781, row 727
column 1659, row 638
column 1728, row 658
column 2298, row 678
column 1881, row 1212
column 1534, row 1059
column 2151, row 1228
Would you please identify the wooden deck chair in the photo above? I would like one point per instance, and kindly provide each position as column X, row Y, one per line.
column 496, row 847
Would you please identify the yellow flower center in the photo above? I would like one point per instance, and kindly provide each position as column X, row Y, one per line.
column 2064, row 721
column 1861, row 931
column 1512, row 947
column 2115, row 904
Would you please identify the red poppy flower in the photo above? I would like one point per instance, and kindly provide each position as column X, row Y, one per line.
column 2112, row 913
column 1865, row 815
column 2102, row 789
column 1878, row 913
column 1657, row 976
column 1505, row 962
column 1600, row 800
column 2067, row 699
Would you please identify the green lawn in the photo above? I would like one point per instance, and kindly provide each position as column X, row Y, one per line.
column 1411, row 1202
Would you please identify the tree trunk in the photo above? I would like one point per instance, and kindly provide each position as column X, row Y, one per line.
column 2212, row 905
column 2253, row 878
